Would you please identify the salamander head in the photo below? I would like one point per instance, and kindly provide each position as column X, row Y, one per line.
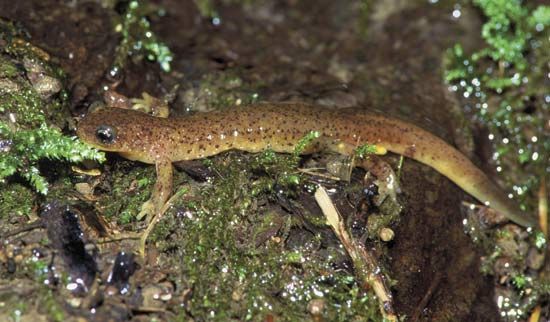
column 117, row 130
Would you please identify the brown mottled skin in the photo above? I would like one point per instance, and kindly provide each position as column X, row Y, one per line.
column 280, row 126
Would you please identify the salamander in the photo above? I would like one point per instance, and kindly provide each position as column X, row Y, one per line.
column 280, row 126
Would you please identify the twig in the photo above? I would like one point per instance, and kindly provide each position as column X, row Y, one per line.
column 33, row 225
column 400, row 167
column 543, row 208
column 365, row 265
column 535, row 315
column 118, row 237
column 427, row 297
column 318, row 174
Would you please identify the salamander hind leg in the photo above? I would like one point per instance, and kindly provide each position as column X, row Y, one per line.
column 384, row 176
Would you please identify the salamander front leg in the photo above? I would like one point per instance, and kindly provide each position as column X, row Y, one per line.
column 161, row 190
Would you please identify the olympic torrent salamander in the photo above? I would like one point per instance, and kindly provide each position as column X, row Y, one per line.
column 279, row 126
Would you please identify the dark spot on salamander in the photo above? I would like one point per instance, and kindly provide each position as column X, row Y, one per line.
column 409, row 152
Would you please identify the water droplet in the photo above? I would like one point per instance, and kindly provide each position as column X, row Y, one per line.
column 456, row 13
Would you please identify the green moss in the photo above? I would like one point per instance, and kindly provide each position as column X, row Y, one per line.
column 15, row 199
column 364, row 150
column 519, row 281
column 138, row 40
column 17, row 311
column 30, row 118
column 504, row 84
column 27, row 147
column 54, row 309
column 235, row 275
column 129, row 187
column 507, row 32
column 304, row 142
column 36, row 268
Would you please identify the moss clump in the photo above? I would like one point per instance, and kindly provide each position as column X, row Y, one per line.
column 365, row 150
column 236, row 275
column 16, row 199
column 138, row 40
column 515, row 259
column 32, row 113
column 128, row 188
column 504, row 85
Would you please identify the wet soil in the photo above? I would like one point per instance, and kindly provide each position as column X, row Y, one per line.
column 326, row 53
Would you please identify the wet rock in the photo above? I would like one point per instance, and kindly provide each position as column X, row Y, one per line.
column 535, row 259
column 44, row 84
column 153, row 295
column 487, row 217
column 123, row 268
column 11, row 267
column 511, row 241
column 66, row 236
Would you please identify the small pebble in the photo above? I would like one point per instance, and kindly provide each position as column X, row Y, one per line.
column 386, row 234
column 535, row 259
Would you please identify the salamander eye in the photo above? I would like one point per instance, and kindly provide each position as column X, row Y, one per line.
column 105, row 134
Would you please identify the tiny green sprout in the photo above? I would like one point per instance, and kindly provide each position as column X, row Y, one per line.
column 305, row 141
column 365, row 149
column 143, row 182
column 207, row 162
column 294, row 257
column 293, row 179
column 519, row 281
column 268, row 156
